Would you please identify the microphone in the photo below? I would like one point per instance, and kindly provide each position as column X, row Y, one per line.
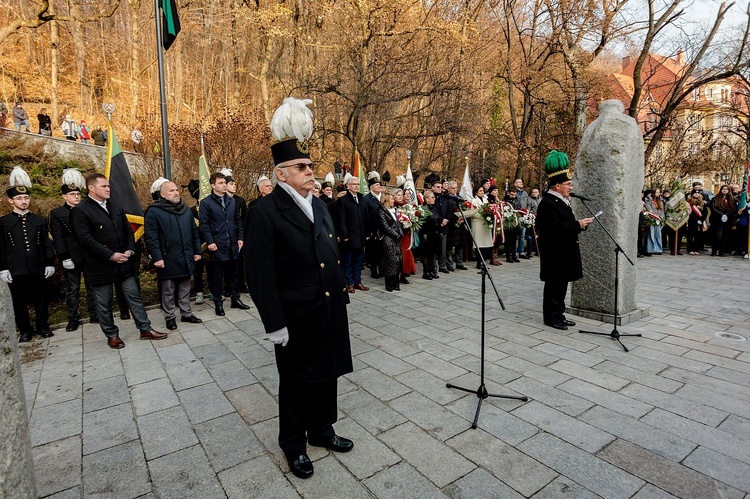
column 579, row 196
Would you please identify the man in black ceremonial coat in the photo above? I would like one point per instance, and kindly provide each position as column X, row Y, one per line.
column 26, row 260
column 297, row 285
column 557, row 231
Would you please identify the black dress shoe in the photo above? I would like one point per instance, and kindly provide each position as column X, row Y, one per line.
column 335, row 443
column 568, row 322
column 238, row 304
column 191, row 319
column 25, row 337
column 403, row 280
column 301, row 466
column 172, row 323
column 46, row 333
column 462, row 267
column 427, row 276
column 124, row 315
column 559, row 325
column 72, row 325
column 435, row 275
column 220, row 308
column 444, row 271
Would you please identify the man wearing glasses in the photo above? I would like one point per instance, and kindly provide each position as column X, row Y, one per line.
column 557, row 231
column 296, row 283
column 445, row 216
column 352, row 220
column 68, row 250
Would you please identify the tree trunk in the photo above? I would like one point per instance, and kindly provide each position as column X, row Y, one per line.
column 55, row 67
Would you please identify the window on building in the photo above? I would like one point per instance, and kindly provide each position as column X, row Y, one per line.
column 709, row 93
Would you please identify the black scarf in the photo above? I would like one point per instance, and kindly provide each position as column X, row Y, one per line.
column 177, row 208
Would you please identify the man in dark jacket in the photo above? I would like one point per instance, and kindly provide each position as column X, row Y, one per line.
column 242, row 208
column 172, row 241
column 106, row 237
column 221, row 228
column 445, row 216
column 26, row 260
column 557, row 234
column 70, row 254
column 350, row 211
column 298, row 287
column 373, row 251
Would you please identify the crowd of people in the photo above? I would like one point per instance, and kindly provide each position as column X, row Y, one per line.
column 716, row 223
column 298, row 249
column 70, row 128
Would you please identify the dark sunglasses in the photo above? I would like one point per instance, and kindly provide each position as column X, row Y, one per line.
column 302, row 166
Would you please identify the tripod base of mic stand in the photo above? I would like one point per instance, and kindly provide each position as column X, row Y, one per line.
column 615, row 335
column 482, row 394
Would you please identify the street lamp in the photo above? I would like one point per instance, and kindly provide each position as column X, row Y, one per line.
column 108, row 108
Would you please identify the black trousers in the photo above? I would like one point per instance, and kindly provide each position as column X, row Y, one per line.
column 73, row 295
column 30, row 290
column 553, row 304
column 306, row 411
column 218, row 272
column 200, row 267
column 373, row 254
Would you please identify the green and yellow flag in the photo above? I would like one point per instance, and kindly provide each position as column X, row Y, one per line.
column 122, row 190
column 205, row 187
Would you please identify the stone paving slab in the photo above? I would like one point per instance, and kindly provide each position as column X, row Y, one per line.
column 196, row 415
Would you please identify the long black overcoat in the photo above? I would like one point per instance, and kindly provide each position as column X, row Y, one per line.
column 65, row 243
column 351, row 220
column 171, row 235
column 296, row 282
column 557, row 233
column 101, row 235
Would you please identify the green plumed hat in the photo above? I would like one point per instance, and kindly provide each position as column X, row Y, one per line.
column 557, row 167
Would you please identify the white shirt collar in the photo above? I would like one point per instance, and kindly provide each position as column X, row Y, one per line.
column 305, row 203
column 555, row 193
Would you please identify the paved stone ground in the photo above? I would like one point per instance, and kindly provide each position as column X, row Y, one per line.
column 195, row 415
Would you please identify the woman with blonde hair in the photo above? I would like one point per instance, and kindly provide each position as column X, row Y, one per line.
column 390, row 240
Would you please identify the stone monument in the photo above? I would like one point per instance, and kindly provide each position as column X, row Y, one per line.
column 16, row 465
column 609, row 170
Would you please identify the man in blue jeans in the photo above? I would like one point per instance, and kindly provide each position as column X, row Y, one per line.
column 523, row 203
column 104, row 233
column 20, row 117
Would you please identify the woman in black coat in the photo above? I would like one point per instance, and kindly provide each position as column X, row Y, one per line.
column 723, row 208
column 391, row 234
column 696, row 223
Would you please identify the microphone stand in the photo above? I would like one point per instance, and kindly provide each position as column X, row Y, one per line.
column 481, row 392
column 615, row 334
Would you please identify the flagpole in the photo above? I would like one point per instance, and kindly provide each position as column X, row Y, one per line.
column 162, row 93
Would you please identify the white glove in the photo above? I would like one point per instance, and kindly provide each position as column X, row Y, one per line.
column 5, row 276
column 48, row 271
column 280, row 337
column 724, row 218
column 68, row 264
